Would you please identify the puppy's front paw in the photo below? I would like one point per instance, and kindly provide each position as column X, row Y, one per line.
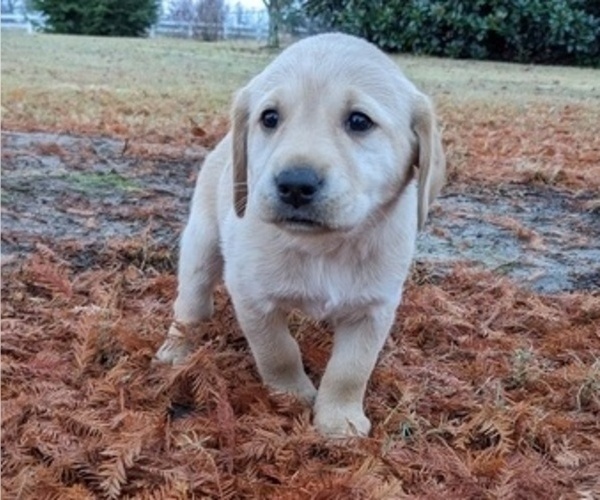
column 302, row 388
column 176, row 348
column 341, row 421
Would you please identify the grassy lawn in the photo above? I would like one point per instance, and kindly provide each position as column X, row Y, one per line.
column 502, row 121
column 119, row 86
column 188, row 77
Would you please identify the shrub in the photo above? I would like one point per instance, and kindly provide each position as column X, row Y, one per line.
column 531, row 31
column 99, row 17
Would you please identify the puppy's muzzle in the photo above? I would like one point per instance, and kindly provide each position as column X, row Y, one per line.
column 299, row 197
column 298, row 186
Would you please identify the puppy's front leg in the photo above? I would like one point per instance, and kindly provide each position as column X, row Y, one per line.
column 339, row 406
column 200, row 267
column 275, row 351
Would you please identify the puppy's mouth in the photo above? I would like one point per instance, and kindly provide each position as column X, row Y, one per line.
column 295, row 223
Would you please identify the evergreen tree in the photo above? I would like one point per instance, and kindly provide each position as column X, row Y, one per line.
column 99, row 17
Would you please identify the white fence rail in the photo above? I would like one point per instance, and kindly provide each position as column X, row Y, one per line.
column 196, row 30
column 257, row 31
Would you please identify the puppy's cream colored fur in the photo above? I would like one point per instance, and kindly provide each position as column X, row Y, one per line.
column 348, row 263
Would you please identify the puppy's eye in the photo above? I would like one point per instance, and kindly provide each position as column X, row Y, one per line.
column 269, row 118
column 359, row 122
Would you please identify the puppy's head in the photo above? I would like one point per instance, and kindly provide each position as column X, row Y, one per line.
column 328, row 134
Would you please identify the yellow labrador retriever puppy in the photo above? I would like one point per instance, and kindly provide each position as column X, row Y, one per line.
column 313, row 202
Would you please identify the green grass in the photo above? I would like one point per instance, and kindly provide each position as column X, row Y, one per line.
column 511, row 83
column 144, row 86
column 93, row 182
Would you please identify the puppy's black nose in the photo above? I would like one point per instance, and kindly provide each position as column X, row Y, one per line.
column 298, row 186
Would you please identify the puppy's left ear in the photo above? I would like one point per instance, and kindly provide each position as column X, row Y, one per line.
column 431, row 160
column 239, row 117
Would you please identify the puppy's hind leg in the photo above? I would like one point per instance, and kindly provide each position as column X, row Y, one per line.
column 200, row 268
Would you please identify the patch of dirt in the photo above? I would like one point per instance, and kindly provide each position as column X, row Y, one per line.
column 59, row 188
column 542, row 238
column 92, row 190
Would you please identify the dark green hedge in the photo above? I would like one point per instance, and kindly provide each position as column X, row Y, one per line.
column 99, row 17
column 529, row 31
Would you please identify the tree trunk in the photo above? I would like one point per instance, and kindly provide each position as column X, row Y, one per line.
column 274, row 10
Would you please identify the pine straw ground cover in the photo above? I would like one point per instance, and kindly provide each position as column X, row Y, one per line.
column 484, row 390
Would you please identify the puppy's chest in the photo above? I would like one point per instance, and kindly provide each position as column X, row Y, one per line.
column 325, row 288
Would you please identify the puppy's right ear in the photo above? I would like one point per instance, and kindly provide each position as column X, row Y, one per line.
column 240, row 116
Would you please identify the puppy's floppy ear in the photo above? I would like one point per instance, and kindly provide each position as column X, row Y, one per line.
column 431, row 165
column 239, row 118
